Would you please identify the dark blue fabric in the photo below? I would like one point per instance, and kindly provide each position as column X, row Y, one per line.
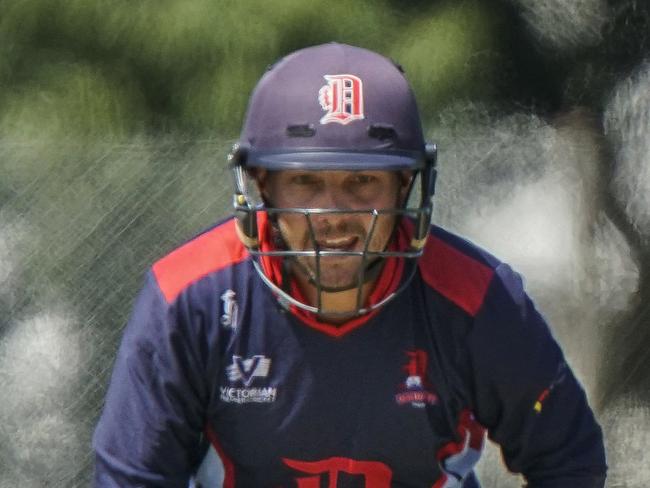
column 183, row 367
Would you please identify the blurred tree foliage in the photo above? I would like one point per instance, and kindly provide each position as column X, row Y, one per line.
column 114, row 67
column 103, row 101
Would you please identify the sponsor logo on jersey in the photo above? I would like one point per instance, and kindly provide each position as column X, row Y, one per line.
column 248, row 395
column 244, row 371
column 327, row 472
column 230, row 310
column 416, row 389
column 342, row 99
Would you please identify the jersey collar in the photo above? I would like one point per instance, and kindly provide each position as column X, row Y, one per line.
column 386, row 283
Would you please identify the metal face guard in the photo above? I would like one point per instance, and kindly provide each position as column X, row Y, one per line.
column 247, row 204
column 369, row 259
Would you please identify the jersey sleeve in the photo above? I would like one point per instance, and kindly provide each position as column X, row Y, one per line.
column 149, row 433
column 527, row 396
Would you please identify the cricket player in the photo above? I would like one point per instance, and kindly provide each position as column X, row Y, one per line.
column 327, row 335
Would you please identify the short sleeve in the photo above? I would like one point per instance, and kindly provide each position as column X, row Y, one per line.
column 526, row 395
column 149, row 433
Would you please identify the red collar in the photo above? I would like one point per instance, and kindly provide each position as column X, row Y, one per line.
column 386, row 283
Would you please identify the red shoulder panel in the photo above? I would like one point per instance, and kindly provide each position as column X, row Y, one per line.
column 456, row 276
column 209, row 252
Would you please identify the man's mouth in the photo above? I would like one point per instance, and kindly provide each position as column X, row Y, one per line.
column 338, row 243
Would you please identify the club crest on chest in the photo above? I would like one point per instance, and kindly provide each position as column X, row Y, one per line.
column 416, row 389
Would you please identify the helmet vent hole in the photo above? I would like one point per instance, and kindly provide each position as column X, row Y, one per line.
column 383, row 132
column 301, row 130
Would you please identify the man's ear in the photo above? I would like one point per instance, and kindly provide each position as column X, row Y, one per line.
column 405, row 183
column 260, row 175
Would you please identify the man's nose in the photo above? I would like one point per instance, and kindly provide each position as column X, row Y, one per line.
column 331, row 199
column 327, row 197
column 331, row 196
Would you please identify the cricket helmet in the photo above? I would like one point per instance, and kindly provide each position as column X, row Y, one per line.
column 333, row 107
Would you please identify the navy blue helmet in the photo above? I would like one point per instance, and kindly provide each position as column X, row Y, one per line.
column 333, row 107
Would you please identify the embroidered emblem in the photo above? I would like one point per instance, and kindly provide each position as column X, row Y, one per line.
column 326, row 472
column 559, row 378
column 416, row 389
column 230, row 310
column 342, row 99
column 245, row 371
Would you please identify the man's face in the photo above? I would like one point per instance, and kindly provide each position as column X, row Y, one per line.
column 344, row 190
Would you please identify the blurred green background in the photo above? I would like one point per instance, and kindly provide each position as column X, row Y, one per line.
column 115, row 120
column 113, row 68
column 115, row 113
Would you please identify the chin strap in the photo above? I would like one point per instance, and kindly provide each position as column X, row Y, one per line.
column 245, row 212
column 428, row 176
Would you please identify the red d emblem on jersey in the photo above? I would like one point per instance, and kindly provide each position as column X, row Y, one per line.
column 416, row 389
column 370, row 474
column 342, row 98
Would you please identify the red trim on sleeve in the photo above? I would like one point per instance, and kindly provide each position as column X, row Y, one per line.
column 456, row 276
column 472, row 436
column 228, row 465
column 209, row 252
column 442, row 481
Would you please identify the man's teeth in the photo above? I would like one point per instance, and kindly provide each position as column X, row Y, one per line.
column 340, row 242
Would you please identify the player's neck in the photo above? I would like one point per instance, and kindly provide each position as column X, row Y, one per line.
column 341, row 304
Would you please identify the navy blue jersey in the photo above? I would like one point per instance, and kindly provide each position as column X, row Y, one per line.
column 217, row 384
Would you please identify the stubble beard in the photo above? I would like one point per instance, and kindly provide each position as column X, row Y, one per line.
column 337, row 273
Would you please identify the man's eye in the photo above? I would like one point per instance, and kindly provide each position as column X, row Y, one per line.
column 303, row 180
